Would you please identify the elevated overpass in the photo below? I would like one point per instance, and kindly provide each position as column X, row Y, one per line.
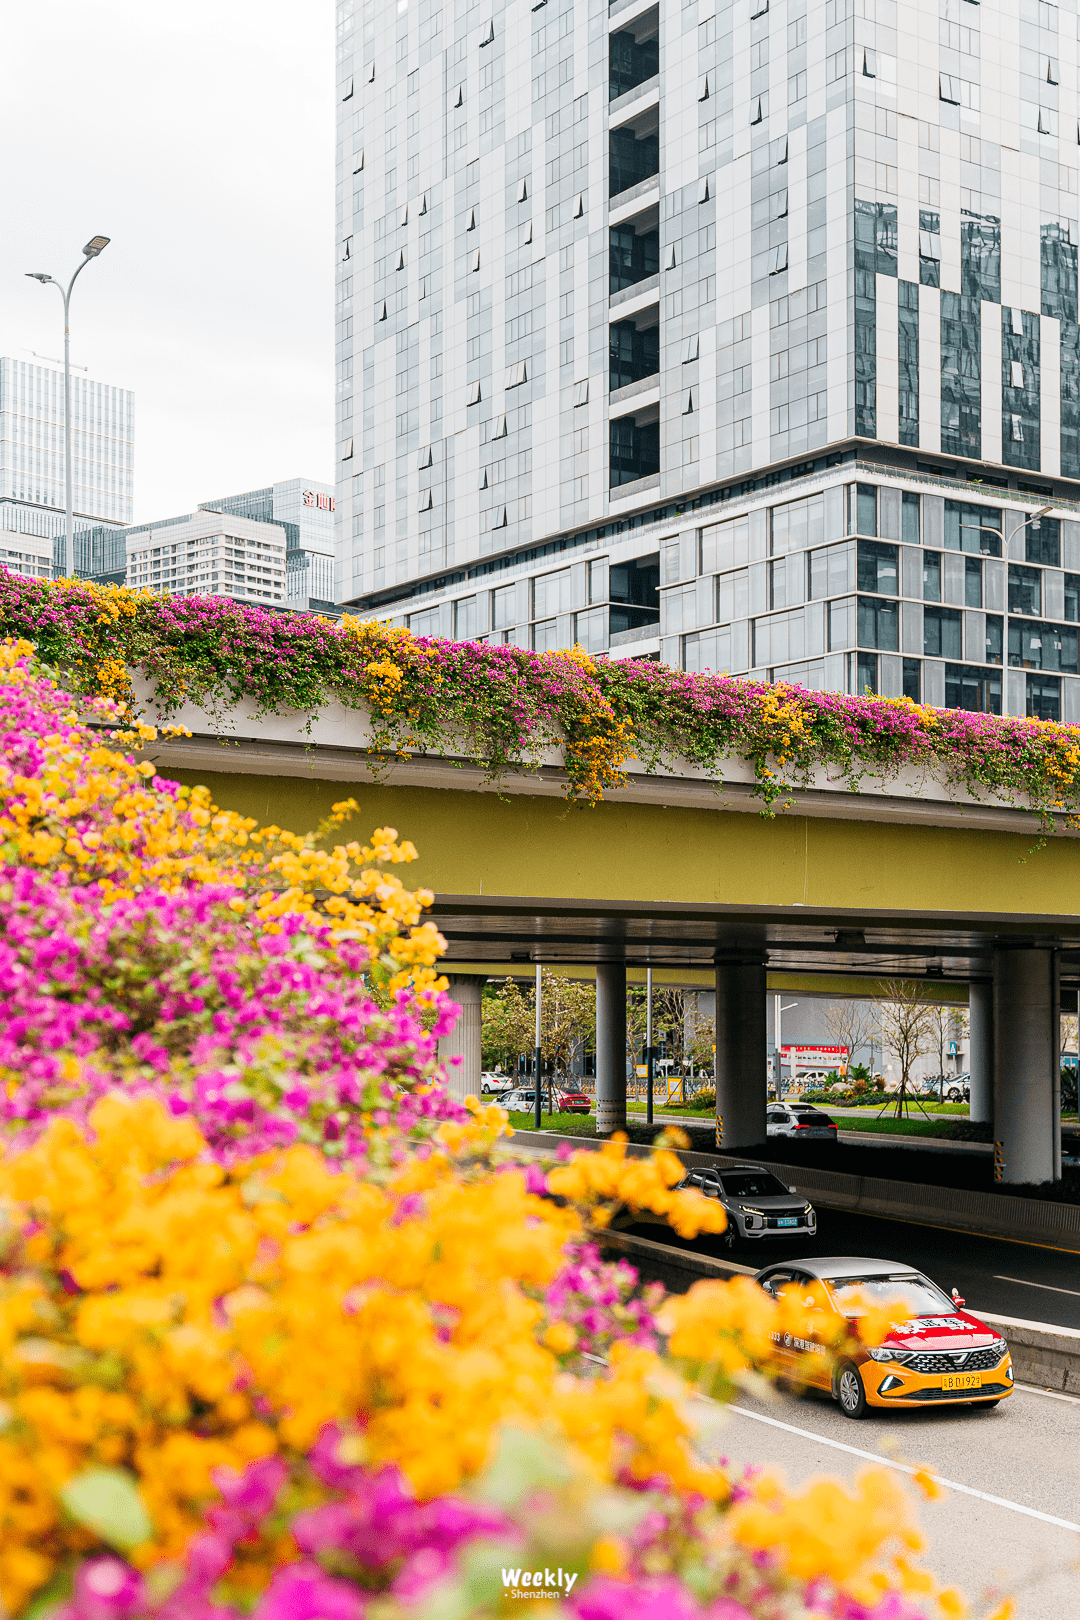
column 682, row 873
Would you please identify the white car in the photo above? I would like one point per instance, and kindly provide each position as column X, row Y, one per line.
column 800, row 1120
column 492, row 1083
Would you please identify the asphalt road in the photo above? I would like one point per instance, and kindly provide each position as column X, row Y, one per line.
column 1013, row 1470
column 1021, row 1280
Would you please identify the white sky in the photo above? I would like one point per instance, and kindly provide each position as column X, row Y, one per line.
column 199, row 136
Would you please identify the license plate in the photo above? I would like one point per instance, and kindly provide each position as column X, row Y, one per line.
column 962, row 1381
column 788, row 1220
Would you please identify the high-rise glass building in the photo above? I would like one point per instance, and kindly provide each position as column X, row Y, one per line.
column 32, row 492
column 305, row 510
column 741, row 334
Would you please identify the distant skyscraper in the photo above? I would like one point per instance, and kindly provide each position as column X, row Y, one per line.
column 742, row 333
column 32, row 494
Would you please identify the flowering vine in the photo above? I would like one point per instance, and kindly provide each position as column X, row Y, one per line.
column 505, row 707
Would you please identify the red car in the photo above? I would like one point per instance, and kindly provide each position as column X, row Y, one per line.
column 936, row 1352
column 573, row 1102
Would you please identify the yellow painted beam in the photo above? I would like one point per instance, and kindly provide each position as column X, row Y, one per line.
column 476, row 844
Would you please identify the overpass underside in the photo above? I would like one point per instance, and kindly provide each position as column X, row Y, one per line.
column 690, row 879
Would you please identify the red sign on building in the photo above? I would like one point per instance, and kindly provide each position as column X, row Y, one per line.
column 325, row 503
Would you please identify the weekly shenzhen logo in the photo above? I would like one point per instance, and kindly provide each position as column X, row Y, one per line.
column 538, row 1583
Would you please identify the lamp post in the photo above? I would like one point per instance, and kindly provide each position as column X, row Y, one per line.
column 96, row 245
column 648, row 1048
column 538, row 1054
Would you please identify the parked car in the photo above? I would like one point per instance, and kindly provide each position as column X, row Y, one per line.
column 800, row 1120
column 519, row 1101
column 757, row 1205
column 492, row 1083
column 934, row 1352
column 573, row 1102
column 958, row 1088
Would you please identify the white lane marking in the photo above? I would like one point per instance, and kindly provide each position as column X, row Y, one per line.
column 1052, row 1394
column 906, row 1468
column 1049, row 1287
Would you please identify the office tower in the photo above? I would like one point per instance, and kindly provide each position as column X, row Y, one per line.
column 744, row 335
column 32, row 493
column 305, row 510
column 209, row 553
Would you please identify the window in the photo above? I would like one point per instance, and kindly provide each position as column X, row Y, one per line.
column 968, row 687
column 1043, row 646
column 1025, row 589
column 865, row 513
column 1072, row 597
column 466, row 618
column 975, row 529
column 931, row 576
column 912, row 682
column 941, row 633
column 973, row 588
column 551, row 593
column 732, row 596
column 866, row 675
column 842, row 624
column 1043, row 697
column 581, row 393
column 545, row 637
column 910, row 522
column 505, row 608
column 879, row 624
column 995, row 631
column 878, row 568
column 798, row 524
column 832, row 570
column 1043, row 543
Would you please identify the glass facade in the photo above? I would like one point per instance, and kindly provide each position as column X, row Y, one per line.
column 785, row 296
column 32, row 442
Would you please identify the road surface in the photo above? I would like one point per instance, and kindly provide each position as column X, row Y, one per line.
column 1012, row 1522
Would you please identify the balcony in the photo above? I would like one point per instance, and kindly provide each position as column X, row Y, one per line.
column 634, row 447
column 634, row 350
column 634, row 251
column 634, row 53
column 634, row 154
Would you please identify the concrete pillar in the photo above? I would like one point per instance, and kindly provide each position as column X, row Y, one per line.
column 610, row 1047
column 463, row 1079
column 981, row 1050
column 1027, row 1127
column 742, row 1054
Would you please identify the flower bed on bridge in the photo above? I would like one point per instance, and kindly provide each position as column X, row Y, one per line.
column 504, row 706
column 279, row 1333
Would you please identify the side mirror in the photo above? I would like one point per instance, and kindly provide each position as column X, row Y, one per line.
column 957, row 1300
column 792, row 1190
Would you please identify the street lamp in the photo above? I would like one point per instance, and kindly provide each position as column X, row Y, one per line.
column 95, row 246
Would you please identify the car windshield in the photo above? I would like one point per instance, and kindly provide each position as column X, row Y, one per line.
column 754, row 1184
column 914, row 1295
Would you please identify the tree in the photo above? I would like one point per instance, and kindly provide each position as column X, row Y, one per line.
column 947, row 1024
column 508, row 1021
column 852, row 1024
column 905, row 1019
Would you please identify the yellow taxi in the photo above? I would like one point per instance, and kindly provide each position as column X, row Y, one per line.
column 934, row 1353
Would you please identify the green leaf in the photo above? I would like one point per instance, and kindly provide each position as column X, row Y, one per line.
column 107, row 1501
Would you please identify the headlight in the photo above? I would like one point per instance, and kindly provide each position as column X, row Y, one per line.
column 885, row 1353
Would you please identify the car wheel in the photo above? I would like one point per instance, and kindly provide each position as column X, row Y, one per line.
column 850, row 1392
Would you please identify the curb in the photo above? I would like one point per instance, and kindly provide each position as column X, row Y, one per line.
column 1043, row 1355
column 1029, row 1220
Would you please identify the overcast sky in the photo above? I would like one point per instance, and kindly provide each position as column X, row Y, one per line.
column 200, row 138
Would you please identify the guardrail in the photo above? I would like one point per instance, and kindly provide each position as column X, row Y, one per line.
column 1031, row 1220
